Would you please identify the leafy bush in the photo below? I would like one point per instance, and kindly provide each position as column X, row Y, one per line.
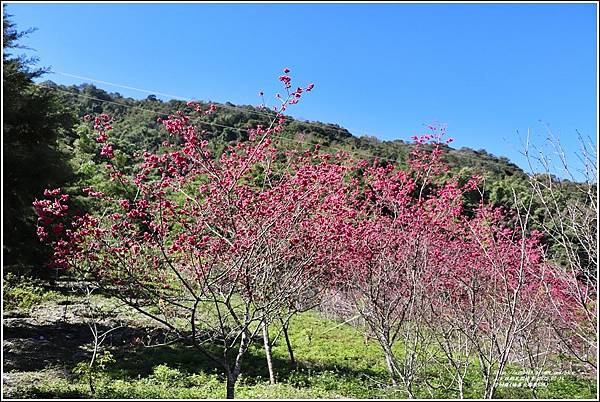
column 164, row 375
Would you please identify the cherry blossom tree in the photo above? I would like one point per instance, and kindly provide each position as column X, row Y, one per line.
column 382, row 257
column 446, row 285
column 210, row 248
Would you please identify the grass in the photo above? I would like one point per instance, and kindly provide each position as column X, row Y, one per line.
column 22, row 293
column 334, row 363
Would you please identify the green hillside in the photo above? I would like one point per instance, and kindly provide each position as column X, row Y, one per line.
column 137, row 128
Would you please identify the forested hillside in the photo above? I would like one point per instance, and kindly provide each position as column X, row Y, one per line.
column 136, row 126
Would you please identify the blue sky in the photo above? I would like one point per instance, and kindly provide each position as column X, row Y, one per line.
column 488, row 71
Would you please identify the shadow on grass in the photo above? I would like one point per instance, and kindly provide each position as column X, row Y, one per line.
column 72, row 288
column 141, row 362
column 32, row 347
column 37, row 347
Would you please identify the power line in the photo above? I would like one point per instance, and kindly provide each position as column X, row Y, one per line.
column 121, row 86
column 154, row 112
column 96, row 99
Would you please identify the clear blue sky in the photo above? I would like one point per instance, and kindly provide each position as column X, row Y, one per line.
column 485, row 70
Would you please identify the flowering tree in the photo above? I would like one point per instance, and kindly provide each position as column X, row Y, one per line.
column 450, row 286
column 382, row 259
column 492, row 287
column 216, row 246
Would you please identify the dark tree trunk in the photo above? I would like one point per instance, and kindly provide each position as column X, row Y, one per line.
column 288, row 343
column 231, row 380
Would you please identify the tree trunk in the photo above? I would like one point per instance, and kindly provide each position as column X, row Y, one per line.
column 231, row 380
column 268, row 352
column 487, row 389
column 91, row 383
column 288, row 343
column 389, row 360
column 232, row 376
column 461, row 392
column 490, row 390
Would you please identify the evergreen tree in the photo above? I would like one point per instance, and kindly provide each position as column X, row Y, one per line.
column 34, row 121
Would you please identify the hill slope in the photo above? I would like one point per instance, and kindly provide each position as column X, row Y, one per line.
column 136, row 127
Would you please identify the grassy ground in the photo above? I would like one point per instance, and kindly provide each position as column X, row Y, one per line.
column 45, row 338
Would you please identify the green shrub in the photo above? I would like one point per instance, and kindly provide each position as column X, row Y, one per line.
column 164, row 375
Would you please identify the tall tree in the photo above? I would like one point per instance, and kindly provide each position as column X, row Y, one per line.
column 33, row 122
